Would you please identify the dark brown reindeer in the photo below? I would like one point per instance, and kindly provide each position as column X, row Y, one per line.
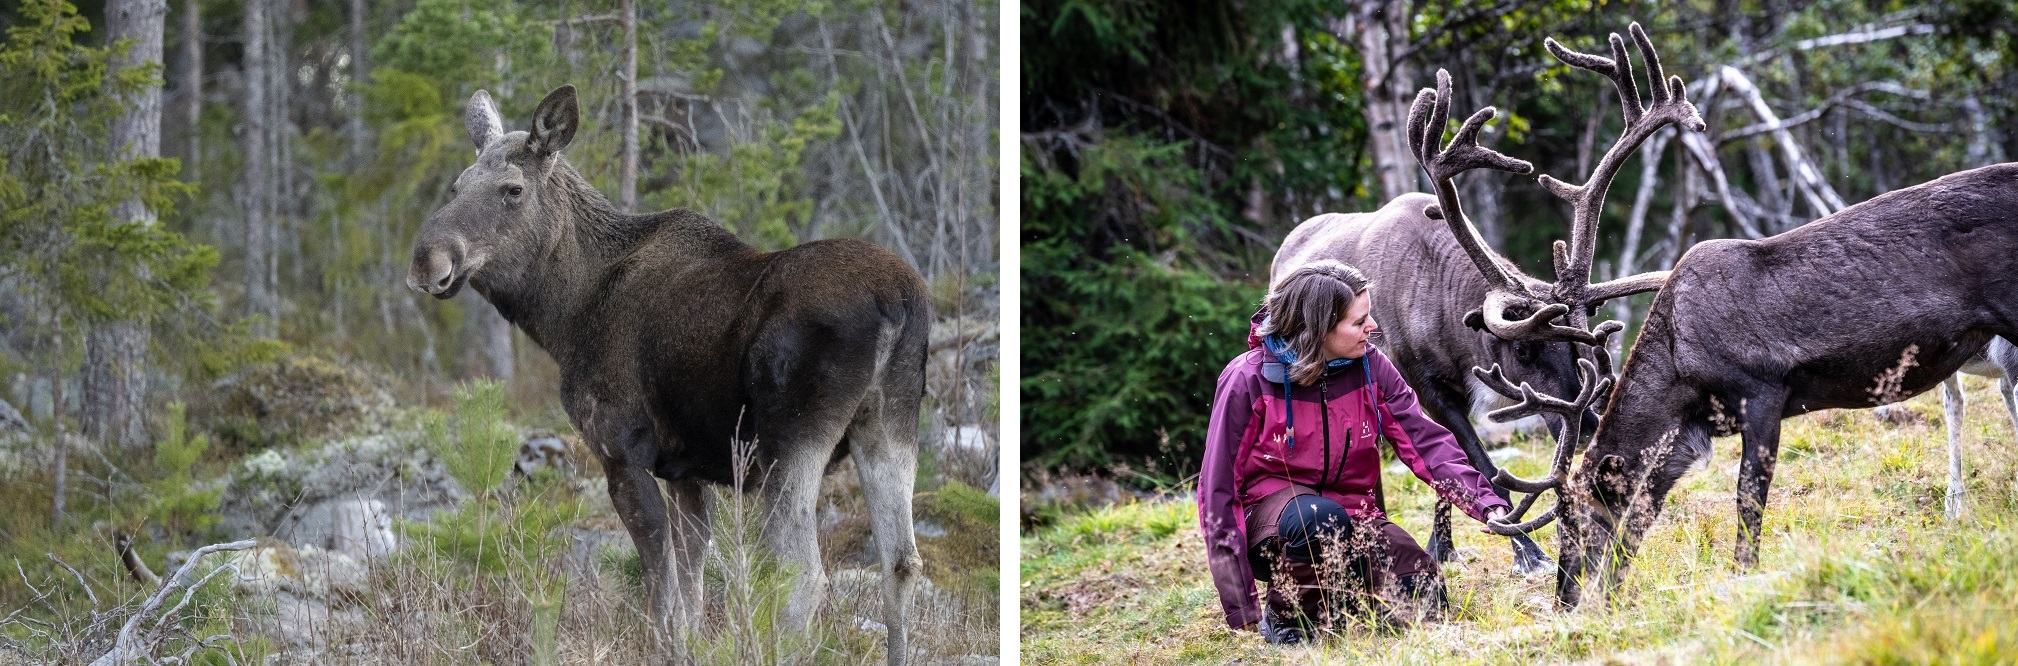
column 1873, row 304
column 675, row 340
column 1427, row 303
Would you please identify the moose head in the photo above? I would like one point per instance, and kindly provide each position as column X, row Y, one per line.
column 505, row 203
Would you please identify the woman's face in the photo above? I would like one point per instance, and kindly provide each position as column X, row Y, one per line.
column 1348, row 338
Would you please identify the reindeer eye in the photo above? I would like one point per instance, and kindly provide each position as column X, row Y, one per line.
column 515, row 190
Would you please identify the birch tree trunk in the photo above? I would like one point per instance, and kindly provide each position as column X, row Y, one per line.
column 115, row 354
column 62, row 441
column 360, row 74
column 192, row 87
column 1381, row 29
column 258, row 298
column 627, row 180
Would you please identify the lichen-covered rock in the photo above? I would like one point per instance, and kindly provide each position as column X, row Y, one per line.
column 291, row 400
column 298, row 495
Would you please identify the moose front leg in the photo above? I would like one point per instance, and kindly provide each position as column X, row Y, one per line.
column 690, row 523
column 1761, row 417
column 634, row 492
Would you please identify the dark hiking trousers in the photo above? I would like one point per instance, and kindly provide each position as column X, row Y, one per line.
column 1370, row 557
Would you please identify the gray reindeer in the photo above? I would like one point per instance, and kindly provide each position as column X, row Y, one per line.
column 676, row 340
column 1427, row 301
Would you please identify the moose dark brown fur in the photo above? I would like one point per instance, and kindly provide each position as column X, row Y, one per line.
column 1874, row 304
column 1423, row 287
column 675, row 340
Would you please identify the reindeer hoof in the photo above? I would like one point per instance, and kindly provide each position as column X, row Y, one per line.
column 1529, row 560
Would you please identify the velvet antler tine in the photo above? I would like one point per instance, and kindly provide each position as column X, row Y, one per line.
column 1656, row 78
column 1418, row 120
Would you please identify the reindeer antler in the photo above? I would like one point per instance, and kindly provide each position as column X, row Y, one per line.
column 1427, row 118
column 1670, row 105
column 1520, row 308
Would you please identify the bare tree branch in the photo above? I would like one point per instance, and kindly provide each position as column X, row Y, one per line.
column 128, row 648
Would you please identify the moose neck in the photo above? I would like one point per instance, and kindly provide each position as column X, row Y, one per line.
column 540, row 282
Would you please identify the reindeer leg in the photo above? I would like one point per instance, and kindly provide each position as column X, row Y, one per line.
column 1529, row 558
column 2004, row 389
column 1761, row 417
column 1445, row 410
column 1953, row 405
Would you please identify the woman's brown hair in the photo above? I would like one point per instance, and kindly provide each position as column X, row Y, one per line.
column 1305, row 306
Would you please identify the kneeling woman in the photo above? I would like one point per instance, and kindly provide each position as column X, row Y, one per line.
column 1290, row 482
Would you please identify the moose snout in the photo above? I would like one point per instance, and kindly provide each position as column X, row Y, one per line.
column 432, row 272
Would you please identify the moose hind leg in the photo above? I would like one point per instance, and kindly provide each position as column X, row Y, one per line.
column 791, row 489
column 886, row 455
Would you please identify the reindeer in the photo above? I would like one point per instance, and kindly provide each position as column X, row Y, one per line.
column 1999, row 361
column 1426, row 285
column 676, row 341
column 1871, row 305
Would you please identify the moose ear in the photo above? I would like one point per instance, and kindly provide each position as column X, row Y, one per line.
column 554, row 122
column 1475, row 319
column 482, row 121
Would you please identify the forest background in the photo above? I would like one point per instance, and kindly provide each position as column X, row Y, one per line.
column 1169, row 147
column 207, row 209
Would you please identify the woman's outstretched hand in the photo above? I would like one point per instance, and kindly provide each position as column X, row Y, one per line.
column 1496, row 513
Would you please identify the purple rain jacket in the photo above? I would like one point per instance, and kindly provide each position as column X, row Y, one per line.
column 1247, row 455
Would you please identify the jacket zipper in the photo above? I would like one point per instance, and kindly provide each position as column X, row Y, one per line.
column 1324, row 412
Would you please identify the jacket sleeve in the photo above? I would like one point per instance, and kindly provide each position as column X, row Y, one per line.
column 1218, row 509
column 1426, row 446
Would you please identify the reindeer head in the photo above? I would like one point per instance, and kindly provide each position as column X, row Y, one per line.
column 1524, row 309
column 501, row 202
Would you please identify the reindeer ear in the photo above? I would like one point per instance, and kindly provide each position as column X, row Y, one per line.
column 554, row 122
column 1475, row 319
column 482, row 121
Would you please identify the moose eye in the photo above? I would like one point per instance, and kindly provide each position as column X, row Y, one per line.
column 514, row 190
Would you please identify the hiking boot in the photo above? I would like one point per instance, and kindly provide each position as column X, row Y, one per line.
column 1289, row 633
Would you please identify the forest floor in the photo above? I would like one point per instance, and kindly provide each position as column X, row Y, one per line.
column 537, row 571
column 1858, row 566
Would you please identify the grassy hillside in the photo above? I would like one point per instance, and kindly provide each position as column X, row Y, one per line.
column 1858, row 566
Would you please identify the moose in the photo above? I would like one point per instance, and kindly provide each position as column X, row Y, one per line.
column 1426, row 284
column 1871, row 305
column 678, row 344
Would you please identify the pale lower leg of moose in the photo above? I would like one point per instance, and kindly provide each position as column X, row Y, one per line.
column 1954, row 406
column 791, row 490
column 689, row 519
column 890, row 454
column 1755, row 473
column 634, row 492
